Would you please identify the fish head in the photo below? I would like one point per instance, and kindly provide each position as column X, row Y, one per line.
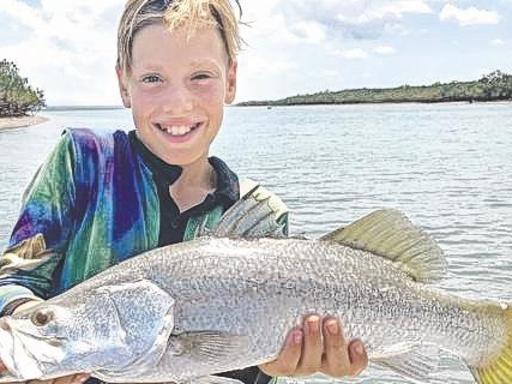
column 52, row 340
column 105, row 330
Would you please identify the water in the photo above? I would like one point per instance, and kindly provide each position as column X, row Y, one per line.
column 447, row 166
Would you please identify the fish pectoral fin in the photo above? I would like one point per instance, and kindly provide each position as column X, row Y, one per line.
column 418, row 364
column 208, row 346
column 214, row 380
column 389, row 234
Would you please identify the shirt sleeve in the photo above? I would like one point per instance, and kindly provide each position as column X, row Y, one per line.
column 251, row 375
column 40, row 235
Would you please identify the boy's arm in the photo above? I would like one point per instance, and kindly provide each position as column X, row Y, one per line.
column 40, row 235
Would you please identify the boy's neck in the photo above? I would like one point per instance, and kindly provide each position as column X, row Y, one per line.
column 196, row 181
column 199, row 174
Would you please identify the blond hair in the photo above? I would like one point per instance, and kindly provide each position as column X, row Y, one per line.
column 191, row 14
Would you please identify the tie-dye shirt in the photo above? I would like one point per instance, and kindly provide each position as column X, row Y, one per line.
column 92, row 204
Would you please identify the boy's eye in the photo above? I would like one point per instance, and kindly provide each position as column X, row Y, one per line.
column 201, row 76
column 151, row 79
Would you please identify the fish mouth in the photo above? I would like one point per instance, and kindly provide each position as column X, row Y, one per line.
column 13, row 351
column 18, row 351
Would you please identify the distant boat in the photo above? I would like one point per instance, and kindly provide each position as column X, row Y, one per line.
column 269, row 107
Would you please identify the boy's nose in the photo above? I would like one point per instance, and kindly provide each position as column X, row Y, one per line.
column 177, row 100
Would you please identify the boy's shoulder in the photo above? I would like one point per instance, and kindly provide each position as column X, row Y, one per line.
column 95, row 137
column 95, row 151
column 96, row 145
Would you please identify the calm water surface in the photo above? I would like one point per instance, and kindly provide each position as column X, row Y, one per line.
column 447, row 166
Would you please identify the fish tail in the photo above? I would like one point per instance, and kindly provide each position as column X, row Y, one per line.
column 499, row 369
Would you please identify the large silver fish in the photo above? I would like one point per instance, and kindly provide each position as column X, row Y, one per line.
column 185, row 312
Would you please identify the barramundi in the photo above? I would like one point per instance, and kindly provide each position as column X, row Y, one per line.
column 227, row 300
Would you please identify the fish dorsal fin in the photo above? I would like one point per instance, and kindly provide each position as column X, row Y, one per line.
column 389, row 233
column 258, row 213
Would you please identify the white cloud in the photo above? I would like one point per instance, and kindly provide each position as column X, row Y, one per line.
column 309, row 32
column 469, row 16
column 497, row 42
column 382, row 10
column 360, row 19
column 70, row 49
column 351, row 54
column 384, row 50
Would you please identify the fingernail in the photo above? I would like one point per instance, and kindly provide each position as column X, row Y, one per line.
column 332, row 327
column 359, row 348
column 313, row 322
column 297, row 337
column 83, row 379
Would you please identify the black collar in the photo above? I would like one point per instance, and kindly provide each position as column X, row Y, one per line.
column 227, row 191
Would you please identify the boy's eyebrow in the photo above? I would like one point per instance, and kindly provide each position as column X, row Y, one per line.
column 204, row 62
column 149, row 68
column 196, row 64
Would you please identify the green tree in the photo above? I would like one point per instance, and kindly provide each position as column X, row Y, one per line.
column 17, row 97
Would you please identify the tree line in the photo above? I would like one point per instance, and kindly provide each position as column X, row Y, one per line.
column 495, row 86
column 17, row 97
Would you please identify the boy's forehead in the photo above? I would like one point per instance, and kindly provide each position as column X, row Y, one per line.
column 157, row 46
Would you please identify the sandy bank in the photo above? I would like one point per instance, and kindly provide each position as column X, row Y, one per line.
column 17, row 122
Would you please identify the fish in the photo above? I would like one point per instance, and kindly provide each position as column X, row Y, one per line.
column 227, row 300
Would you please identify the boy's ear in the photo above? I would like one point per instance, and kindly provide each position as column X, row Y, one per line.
column 123, row 87
column 231, row 82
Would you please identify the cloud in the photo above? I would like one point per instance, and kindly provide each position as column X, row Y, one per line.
column 359, row 19
column 351, row 54
column 497, row 42
column 309, row 31
column 383, row 10
column 69, row 49
column 384, row 50
column 469, row 16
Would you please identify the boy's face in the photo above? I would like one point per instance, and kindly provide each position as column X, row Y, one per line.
column 177, row 88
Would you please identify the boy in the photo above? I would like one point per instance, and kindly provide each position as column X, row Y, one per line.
column 102, row 197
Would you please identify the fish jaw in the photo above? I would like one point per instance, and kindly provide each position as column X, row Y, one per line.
column 14, row 354
column 116, row 330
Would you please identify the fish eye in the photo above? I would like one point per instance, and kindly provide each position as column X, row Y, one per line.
column 42, row 317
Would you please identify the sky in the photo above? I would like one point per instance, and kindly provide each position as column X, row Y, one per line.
column 68, row 47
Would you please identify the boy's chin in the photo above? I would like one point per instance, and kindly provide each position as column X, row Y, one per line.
column 183, row 159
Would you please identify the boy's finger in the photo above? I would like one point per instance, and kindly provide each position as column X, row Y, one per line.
column 311, row 359
column 337, row 361
column 358, row 357
column 288, row 359
column 80, row 378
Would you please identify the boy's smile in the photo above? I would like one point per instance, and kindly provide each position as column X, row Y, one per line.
column 177, row 87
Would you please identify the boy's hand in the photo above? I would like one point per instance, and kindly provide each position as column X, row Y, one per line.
column 304, row 353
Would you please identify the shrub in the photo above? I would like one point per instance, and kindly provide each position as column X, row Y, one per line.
column 17, row 97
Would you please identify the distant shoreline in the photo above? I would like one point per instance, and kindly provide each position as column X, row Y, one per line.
column 497, row 86
column 271, row 104
column 19, row 122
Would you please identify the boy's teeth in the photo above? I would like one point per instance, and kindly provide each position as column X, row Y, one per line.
column 177, row 130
